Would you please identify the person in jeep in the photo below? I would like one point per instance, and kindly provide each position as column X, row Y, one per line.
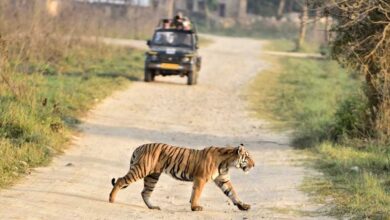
column 178, row 20
column 181, row 22
column 166, row 24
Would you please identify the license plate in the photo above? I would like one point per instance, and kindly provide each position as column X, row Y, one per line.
column 170, row 66
column 171, row 51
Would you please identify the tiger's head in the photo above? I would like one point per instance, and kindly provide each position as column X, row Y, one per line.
column 244, row 161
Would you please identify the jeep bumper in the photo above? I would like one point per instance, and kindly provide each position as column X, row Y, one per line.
column 171, row 66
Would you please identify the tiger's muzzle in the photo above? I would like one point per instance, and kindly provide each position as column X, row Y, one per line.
column 246, row 164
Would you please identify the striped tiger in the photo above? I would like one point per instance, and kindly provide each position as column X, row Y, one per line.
column 199, row 166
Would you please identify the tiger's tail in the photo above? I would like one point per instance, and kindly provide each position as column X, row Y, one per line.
column 115, row 188
column 113, row 181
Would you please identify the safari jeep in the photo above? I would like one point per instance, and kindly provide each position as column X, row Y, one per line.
column 173, row 52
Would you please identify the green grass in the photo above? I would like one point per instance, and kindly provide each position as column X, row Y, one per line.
column 323, row 104
column 39, row 111
column 280, row 45
column 285, row 45
column 357, row 181
column 300, row 93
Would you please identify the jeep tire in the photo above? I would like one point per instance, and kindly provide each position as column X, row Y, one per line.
column 148, row 77
column 192, row 78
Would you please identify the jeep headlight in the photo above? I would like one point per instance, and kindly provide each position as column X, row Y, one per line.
column 153, row 57
column 186, row 59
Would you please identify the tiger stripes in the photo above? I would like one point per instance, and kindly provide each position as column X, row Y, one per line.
column 149, row 161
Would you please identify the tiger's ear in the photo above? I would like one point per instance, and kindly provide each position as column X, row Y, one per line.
column 240, row 149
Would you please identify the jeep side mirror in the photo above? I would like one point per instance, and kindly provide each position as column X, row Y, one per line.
column 148, row 42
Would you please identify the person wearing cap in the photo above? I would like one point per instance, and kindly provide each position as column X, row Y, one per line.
column 181, row 22
column 178, row 21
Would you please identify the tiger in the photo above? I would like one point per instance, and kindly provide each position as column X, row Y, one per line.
column 199, row 166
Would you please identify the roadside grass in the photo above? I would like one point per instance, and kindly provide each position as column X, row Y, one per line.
column 280, row 45
column 310, row 96
column 285, row 45
column 283, row 34
column 260, row 29
column 261, row 94
column 299, row 92
column 205, row 41
column 40, row 108
column 356, row 181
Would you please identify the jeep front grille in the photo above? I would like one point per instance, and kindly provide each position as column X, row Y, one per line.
column 169, row 59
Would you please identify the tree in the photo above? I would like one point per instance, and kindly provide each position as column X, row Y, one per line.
column 363, row 42
column 303, row 25
column 317, row 17
column 263, row 8
column 280, row 11
column 170, row 8
column 327, row 27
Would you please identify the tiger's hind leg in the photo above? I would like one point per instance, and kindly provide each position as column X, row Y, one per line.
column 149, row 184
column 135, row 173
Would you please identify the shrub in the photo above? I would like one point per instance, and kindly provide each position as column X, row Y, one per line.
column 351, row 118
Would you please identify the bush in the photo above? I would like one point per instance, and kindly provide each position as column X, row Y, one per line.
column 351, row 118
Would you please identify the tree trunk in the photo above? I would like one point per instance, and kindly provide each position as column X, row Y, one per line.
column 290, row 5
column 303, row 26
column 315, row 32
column 280, row 11
column 136, row 23
column 170, row 8
column 327, row 27
column 206, row 16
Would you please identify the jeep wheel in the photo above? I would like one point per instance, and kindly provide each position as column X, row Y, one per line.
column 148, row 75
column 192, row 78
column 196, row 77
column 199, row 64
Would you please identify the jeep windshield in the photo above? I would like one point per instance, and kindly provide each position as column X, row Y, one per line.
column 169, row 38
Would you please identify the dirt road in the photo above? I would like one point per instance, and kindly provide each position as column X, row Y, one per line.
column 76, row 185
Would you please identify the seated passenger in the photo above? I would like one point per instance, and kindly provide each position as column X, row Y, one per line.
column 178, row 21
column 166, row 24
column 181, row 23
column 186, row 24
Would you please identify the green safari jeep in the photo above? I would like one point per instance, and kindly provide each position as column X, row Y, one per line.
column 173, row 52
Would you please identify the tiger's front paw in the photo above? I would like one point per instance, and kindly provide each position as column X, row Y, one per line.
column 196, row 208
column 243, row 206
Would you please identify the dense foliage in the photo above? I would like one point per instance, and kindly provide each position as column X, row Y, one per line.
column 362, row 41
